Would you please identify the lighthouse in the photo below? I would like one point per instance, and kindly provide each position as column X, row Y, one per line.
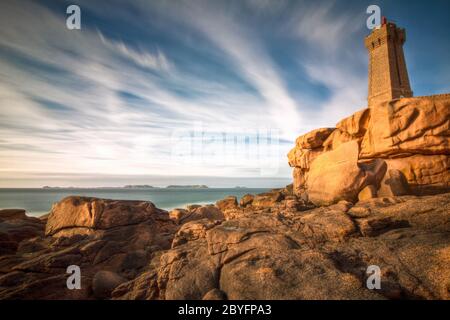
column 388, row 75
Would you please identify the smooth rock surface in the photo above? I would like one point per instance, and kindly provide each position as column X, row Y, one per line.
column 284, row 251
column 411, row 135
column 322, row 253
column 89, row 214
column 336, row 176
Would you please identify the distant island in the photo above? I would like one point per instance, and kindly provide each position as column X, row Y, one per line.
column 195, row 186
column 137, row 186
column 174, row 186
column 48, row 187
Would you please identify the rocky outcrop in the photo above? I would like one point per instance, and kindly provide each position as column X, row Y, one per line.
column 359, row 198
column 229, row 203
column 336, row 175
column 80, row 215
column 408, row 126
column 246, row 200
column 193, row 213
column 109, row 240
column 321, row 253
column 18, row 230
column 284, row 249
column 410, row 135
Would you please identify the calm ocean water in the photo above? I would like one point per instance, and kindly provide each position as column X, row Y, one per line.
column 39, row 201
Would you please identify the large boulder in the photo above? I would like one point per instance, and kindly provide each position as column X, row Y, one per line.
column 336, row 175
column 408, row 126
column 302, row 158
column 15, row 228
column 209, row 211
column 327, row 224
column 84, row 215
column 111, row 241
column 267, row 200
column 193, row 230
column 178, row 214
column 314, row 138
column 410, row 135
column 10, row 214
column 425, row 174
column 246, row 200
column 229, row 203
column 356, row 124
column 386, row 214
column 348, row 129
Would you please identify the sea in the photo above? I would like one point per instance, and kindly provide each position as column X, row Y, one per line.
column 39, row 201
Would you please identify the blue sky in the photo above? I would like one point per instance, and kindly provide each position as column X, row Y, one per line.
column 164, row 92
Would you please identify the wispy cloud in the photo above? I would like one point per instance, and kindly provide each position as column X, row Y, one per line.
column 99, row 129
column 322, row 25
column 111, row 99
column 157, row 61
column 242, row 47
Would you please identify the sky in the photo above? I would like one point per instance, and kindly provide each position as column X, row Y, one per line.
column 189, row 92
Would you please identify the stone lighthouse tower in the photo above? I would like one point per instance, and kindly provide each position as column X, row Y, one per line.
column 388, row 76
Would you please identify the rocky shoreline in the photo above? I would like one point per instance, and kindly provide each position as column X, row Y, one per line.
column 268, row 246
column 374, row 191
